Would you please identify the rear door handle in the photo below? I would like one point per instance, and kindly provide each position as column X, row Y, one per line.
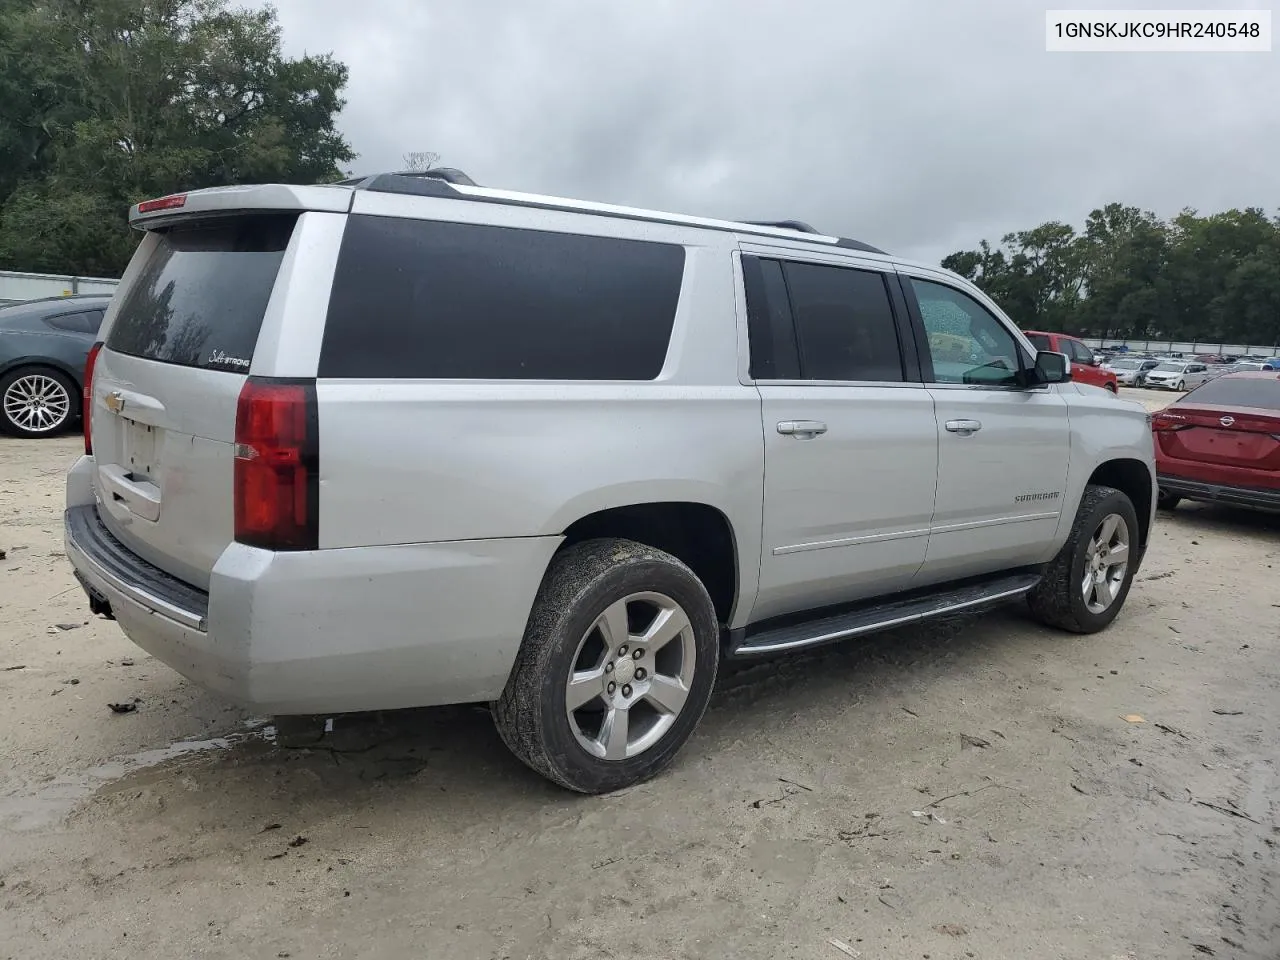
column 964, row 427
column 805, row 429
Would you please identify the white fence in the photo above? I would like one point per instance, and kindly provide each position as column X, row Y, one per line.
column 1188, row 346
column 16, row 286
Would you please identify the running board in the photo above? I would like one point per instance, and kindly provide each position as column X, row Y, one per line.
column 881, row 616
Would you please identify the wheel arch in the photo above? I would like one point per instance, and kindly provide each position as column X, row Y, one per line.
column 698, row 534
column 1134, row 479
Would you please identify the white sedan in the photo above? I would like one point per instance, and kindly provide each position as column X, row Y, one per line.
column 1177, row 375
column 1130, row 372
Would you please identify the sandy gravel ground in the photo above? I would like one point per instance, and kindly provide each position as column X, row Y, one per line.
column 970, row 790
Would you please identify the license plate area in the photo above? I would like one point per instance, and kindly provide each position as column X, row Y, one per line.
column 138, row 450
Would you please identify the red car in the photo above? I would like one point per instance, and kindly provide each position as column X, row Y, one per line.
column 1084, row 369
column 1221, row 442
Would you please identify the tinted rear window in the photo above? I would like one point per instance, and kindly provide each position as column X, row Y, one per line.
column 844, row 324
column 1261, row 392
column 1040, row 341
column 424, row 299
column 200, row 299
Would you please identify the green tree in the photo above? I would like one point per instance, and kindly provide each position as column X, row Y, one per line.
column 107, row 102
column 1209, row 278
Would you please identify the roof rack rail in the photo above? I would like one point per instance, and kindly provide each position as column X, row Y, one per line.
column 849, row 244
column 441, row 183
column 447, row 174
column 799, row 225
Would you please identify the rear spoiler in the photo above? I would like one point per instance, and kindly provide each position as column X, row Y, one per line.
column 224, row 201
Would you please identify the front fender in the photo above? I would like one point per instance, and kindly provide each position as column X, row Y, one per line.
column 1104, row 430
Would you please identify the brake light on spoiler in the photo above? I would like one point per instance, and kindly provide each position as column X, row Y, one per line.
column 277, row 458
column 172, row 202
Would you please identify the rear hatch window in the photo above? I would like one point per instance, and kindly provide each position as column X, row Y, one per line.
column 200, row 299
column 1259, row 392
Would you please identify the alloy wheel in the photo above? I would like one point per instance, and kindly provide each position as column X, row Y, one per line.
column 37, row 403
column 630, row 676
column 1106, row 562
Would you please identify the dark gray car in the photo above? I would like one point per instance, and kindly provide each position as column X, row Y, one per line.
column 43, row 348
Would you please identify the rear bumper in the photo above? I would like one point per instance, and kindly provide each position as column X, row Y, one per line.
column 1219, row 492
column 327, row 631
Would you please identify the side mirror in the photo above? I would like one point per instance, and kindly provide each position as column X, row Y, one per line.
column 1051, row 368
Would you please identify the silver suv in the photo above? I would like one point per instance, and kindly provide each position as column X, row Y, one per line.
column 404, row 441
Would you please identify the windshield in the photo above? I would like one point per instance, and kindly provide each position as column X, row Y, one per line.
column 1124, row 364
column 1170, row 367
column 1262, row 392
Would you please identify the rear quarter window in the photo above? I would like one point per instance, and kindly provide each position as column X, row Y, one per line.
column 424, row 299
column 86, row 321
column 200, row 298
column 1040, row 341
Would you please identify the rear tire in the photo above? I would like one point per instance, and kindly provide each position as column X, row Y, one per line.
column 625, row 714
column 1105, row 522
column 37, row 402
column 1167, row 501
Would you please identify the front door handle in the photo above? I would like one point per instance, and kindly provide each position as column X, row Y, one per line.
column 965, row 428
column 805, row 429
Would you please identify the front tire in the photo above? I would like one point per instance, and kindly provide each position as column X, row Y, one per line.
column 1087, row 582
column 616, row 667
column 1181, row 385
column 1113, row 388
column 36, row 402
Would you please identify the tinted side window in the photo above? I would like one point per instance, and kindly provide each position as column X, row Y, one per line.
column 1079, row 352
column 421, row 299
column 770, row 330
column 199, row 301
column 966, row 342
column 844, row 324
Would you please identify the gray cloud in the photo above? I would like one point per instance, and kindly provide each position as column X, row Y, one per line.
column 919, row 126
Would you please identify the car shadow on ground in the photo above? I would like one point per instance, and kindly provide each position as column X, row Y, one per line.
column 448, row 761
column 435, row 758
column 1221, row 519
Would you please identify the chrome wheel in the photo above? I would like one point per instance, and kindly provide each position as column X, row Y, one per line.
column 631, row 676
column 37, row 403
column 1106, row 561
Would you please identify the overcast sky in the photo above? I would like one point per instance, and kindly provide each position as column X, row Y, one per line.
column 921, row 127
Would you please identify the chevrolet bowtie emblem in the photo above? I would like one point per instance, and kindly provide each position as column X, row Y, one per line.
column 114, row 401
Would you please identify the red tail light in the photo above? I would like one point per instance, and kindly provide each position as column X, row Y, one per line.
column 277, row 457
column 1164, row 422
column 86, row 401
